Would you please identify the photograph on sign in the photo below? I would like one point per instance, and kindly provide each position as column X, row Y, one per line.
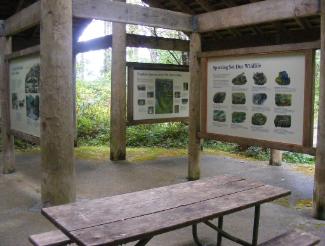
column 158, row 94
column 24, row 95
column 257, row 97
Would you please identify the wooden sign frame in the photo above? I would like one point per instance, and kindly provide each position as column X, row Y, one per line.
column 35, row 50
column 131, row 66
column 307, row 145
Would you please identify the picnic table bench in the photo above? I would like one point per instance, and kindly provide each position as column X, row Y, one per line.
column 139, row 216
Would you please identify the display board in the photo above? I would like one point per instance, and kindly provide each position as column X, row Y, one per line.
column 157, row 93
column 24, row 76
column 264, row 98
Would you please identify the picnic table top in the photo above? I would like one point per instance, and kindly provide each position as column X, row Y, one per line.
column 134, row 216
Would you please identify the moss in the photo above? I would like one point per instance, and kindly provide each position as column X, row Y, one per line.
column 303, row 204
column 305, row 169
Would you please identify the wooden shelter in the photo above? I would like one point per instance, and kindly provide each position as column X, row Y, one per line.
column 222, row 26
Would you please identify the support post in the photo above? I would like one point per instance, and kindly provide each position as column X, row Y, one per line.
column 118, row 93
column 276, row 157
column 319, row 184
column 57, row 131
column 8, row 148
column 194, row 108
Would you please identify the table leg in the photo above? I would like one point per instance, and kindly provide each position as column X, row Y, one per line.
column 220, row 225
column 143, row 242
column 256, row 224
column 195, row 237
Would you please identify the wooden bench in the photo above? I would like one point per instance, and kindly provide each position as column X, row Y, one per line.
column 52, row 238
column 294, row 238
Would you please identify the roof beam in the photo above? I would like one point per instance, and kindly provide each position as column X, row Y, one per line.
column 24, row 19
column 133, row 40
column 255, row 13
column 132, row 14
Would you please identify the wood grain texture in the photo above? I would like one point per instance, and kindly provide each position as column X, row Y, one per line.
column 262, row 49
column 118, row 93
column 131, row 14
column 133, row 216
column 256, row 13
column 28, row 138
column 51, row 238
column 25, row 52
column 275, row 157
column 156, row 223
column 24, row 19
column 293, row 238
column 319, row 183
column 194, row 144
column 56, row 109
column 133, row 40
column 8, row 148
column 121, row 207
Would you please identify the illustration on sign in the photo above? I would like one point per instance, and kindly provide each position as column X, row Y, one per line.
column 159, row 94
column 260, row 97
column 25, row 97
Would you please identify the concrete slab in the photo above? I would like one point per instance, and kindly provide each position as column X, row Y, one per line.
column 20, row 196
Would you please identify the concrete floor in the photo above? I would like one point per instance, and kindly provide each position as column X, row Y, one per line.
column 20, row 196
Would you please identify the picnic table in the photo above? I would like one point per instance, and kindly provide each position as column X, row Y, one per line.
column 139, row 216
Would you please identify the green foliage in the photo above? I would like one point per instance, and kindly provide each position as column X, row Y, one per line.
column 93, row 112
column 167, row 135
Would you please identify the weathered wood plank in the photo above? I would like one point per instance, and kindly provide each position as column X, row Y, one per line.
column 131, row 14
column 293, row 238
column 24, row 19
column 52, row 238
column 255, row 13
column 276, row 157
column 118, row 93
column 194, row 145
column 262, row 49
column 152, row 224
column 136, row 41
column 8, row 148
column 110, row 209
column 319, row 184
column 24, row 52
column 24, row 136
column 56, row 109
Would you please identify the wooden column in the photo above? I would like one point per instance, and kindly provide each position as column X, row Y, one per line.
column 319, row 184
column 276, row 157
column 118, row 93
column 8, row 148
column 194, row 108
column 57, row 131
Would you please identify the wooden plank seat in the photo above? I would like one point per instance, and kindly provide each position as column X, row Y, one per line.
column 294, row 238
column 51, row 238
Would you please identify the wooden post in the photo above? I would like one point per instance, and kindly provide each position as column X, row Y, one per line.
column 57, row 131
column 194, row 108
column 276, row 157
column 8, row 148
column 319, row 184
column 118, row 93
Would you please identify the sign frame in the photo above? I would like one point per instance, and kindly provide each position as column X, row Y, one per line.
column 131, row 66
column 308, row 111
column 35, row 50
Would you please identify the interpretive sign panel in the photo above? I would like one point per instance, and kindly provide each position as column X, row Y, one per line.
column 157, row 93
column 24, row 95
column 264, row 97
